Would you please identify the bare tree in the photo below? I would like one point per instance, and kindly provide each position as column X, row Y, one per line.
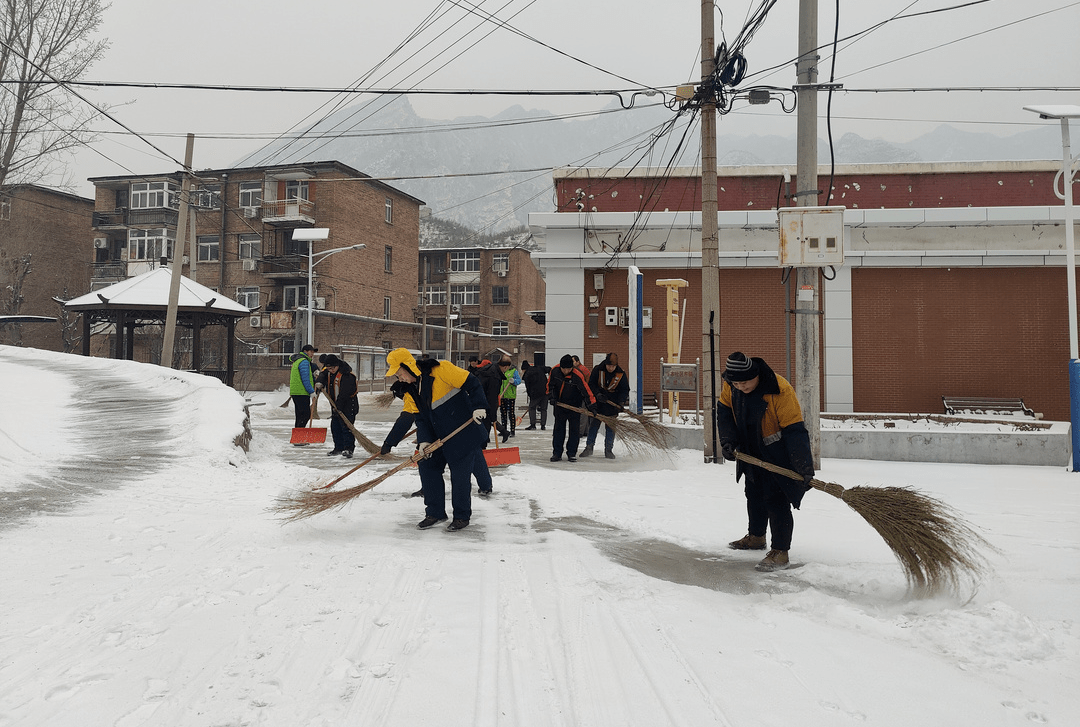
column 42, row 42
column 15, row 271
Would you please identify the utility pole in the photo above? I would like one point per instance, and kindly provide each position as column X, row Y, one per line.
column 168, row 343
column 808, row 293
column 710, row 235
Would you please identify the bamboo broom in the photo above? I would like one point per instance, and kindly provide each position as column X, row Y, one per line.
column 656, row 431
column 302, row 504
column 934, row 545
column 635, row 436
column 366, row 443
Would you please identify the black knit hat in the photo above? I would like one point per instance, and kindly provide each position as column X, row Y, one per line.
column 567, row 361
column 740, row 367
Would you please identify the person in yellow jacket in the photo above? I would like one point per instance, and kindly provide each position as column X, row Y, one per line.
column 759, row 415
column 445, row 397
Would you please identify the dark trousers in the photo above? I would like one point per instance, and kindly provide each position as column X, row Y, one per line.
column 567, row 425
column 594, row 428
column 302, row 404
column 343, row 436
column 538, row 404
column 507, row 414
column 431, row 482
column 766, row 504
column 481, row 472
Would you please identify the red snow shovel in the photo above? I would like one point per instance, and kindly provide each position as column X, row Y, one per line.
column 502, row 457
column 308, row 434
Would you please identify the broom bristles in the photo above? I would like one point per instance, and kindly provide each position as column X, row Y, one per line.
column 385, row 399
column 302, row 504
column 936, row 548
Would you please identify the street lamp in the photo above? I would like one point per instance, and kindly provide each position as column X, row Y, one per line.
column 1068, row 165
column 311, row 235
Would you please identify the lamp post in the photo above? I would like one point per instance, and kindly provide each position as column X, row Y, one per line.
column 312, row 235
column 1068, row 164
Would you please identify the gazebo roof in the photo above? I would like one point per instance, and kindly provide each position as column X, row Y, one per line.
column 150, row 291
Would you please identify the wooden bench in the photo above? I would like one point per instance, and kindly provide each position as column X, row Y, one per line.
column 650, row 400
column 985, row 405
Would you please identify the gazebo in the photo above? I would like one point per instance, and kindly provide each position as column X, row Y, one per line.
column 144, row 301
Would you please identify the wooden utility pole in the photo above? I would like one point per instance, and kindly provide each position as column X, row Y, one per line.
column 710, row 235
column 169, row 341
column 808, row 293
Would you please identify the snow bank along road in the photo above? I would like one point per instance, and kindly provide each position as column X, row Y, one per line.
column 577, row 597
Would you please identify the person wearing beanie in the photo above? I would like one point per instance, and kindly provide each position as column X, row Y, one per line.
column 567, row 385
column 445, row 397
column 612, row 389
column 340, row 383
column 758, row 414
column 536, row 387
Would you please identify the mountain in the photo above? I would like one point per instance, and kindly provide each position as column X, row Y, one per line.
column 452, row 162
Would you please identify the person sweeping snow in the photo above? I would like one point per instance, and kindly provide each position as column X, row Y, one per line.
column 759, row 415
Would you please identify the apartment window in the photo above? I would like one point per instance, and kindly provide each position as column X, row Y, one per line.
column 500, row 295
column 250, row 247
column 149, row 244
column 500, row 328
column 435, row 295
column 465, row 295
column 386, row 308
column 5, row 207
column 466, row 261
column 389, row 211
column 250, row 194
column 153, row 195
column 388, row 259
column 248, row 296
column 500, row 262
column 296, row 189
column 207, row 196
column 209, row 248
column 436, row 334
column 295, row 296
column 288, row 348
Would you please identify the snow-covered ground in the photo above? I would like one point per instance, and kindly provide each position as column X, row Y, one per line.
column 595, row 593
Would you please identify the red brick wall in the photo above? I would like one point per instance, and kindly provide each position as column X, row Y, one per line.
column 751, row 319
column 860, row 191
column 920, row 334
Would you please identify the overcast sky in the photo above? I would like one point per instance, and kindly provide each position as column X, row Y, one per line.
column 335, row 43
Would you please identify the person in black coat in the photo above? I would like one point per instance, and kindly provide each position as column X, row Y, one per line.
column 340, row 387
column 536, row 387
column 567, row 385
column 612, row 390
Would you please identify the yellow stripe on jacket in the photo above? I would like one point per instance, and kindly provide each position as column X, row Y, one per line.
column 781, row 410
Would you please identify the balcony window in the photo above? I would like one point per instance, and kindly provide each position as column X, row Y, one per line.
column 250, row 247
column 248, row 296
column 295, row 296
column 434, row 295
column 207, row 196
column 466, row 261
column 296, row 189
column 153, row 195
column 465, row 295
column 500, row 295
column 149, row 244
column 500, row 328
column 250, row 194
column 500, row 262
column 209, row 248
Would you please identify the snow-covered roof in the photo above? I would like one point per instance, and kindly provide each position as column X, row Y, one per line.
column 151, row 290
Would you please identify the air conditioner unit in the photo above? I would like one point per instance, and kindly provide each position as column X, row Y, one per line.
column 502, row 273
column 255, row 321
column 101, row 243
column 250, row 265
column 320, row 303
column 251, row 212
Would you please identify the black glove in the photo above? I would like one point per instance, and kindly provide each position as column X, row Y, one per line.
column 728, row 450
column 590, row 407
column 399, row 389
column 601, row 396
column 385, row 449
column 806, row 481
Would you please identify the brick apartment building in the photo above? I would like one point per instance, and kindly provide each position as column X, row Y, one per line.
column 952, row 273
column 364, row 300
column 47, row 228
column 492, row 292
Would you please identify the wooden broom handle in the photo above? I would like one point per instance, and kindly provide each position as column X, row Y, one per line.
column 439, row 442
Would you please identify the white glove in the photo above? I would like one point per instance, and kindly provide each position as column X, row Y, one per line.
column 479, row 415
column 422, row 449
